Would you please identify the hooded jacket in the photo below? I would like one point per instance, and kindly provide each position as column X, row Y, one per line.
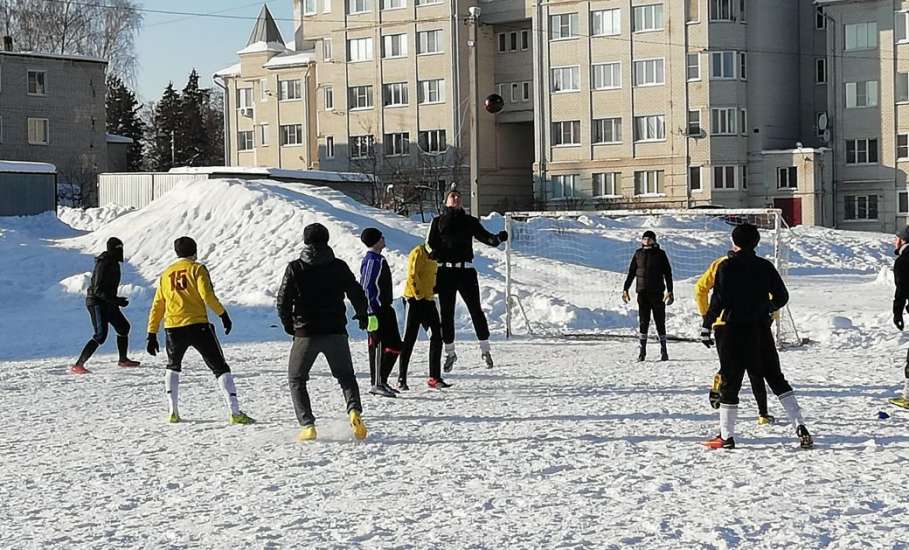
column 650, row 270
column 451, row 236
column 105, row 280
column 421, row 274
column 901, row 278
column 311, row 297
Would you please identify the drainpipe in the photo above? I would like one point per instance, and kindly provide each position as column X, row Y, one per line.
column 831, row 27
column 226, row 114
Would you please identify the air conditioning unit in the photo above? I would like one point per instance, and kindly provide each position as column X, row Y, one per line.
column 246, row 111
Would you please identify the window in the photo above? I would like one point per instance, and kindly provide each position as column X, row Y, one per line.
column 607, row 76
column 648, row 182
column 392, row 4
column 330, row 147
column 397, row 144
column 565, row 79
column 244, row 98
column 743, row 175
column 361, row 147
column 820, row 22
column 290, row 89
column 357, row 6
column 525, row 91
column 722, row 121
column 245, row 140
column 861, row 151
column 326, row 8
column 902, row 202
column 329, row 98
column 263, row 135
column 694, row 122
column 649, row 128
column 694, row 178
column 722, row 65
column 607, row 130
column 513, row 41
column 902, row 87
column 563, row 26
column 562, row 187
column 360, row 97
column 429, row 42
column 648, row 18
column 38, row 131
column 861, row 36
column 649, row 72
column 743, row 122
column 433, row 141
column 900, row 26
column 502, row 41
column 694, row 66
column 427, row 2
column 309, row 7
column 606, row 22
column 820, row 70
column 394, row 45
column 525, row 40
column 359, row 49
column 741, row 11
column 861, row 94
column 1, row 129
column 902, row 146
column 263, row 89
column 724, row 177
column 743, row 73
column 787, row 177
column 566, row 132
column 607, row 184
column 326, row 49
column 291, row 134
column 818, row 117
column 515, row 92
column 394, row 94
column 431, row 91
column 861, row 207
column 500, row 90
column 37, row 83
column 721, row 10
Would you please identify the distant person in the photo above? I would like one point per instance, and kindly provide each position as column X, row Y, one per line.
column 104, row 307
column 184, row 290
column 451, row 238
column 384, row 334
column 652, row 274
column 421, row 312
column 900, row 298
column 311, row 308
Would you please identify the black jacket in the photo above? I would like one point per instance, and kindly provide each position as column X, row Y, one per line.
column 105, row 281
column 650, row 269
column 311, row 298
column 748, row 289
column 901, row 278
column 451, row 236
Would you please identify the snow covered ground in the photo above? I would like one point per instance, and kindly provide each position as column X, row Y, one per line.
column 563, row 445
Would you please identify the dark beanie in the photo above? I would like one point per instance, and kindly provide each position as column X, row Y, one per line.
column 370, row 236
column 648, row 235
column 315, row 233
column 746, row 236
column 904, row 234
column 113, row 243
column 185, row 247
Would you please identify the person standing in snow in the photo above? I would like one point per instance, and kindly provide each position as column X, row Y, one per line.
column 311, row 308
column 450, row 239
column 104, row 305
column 421, row 311
column 184, row 291
column 900, row 299
column 384, row 335
column 747, row 291
column 652, row 274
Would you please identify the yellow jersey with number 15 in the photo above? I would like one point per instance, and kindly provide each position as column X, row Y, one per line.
column 184, row 290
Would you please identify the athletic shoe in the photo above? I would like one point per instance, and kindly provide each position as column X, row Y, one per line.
column 642, row 354
column 241, row 418
column 391, row 389
column 78, row 369
column 357, row 425
column 307, row 433
column 128, row 363
column 402, row 385
column 437, row 383
column 805, row 439
column 900, row 402
column 449, row 362
column 664, row 355
column 719, row 443
column 765, row 420
column 174, row 418
column 714, row 395
column 382, row 391
column 487, row 358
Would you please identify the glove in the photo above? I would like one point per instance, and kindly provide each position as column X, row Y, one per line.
column 669, row 299
column 503, row 236
column 152, row 346
column 121, row 301
column 373, row 324
column 625, row 296
column 361, row 321
column 225, row 320
column 289, row 329
column 898, row 320
column 705, row 337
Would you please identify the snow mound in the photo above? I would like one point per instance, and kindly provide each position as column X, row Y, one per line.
column 90, row 219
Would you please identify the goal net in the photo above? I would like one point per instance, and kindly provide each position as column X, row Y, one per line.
column 565, row 270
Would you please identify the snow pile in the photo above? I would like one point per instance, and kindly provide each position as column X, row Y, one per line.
column 90, row 219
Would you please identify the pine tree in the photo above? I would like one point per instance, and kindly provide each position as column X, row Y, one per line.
column 123, row 119
column 192, row 142
column 163, row 136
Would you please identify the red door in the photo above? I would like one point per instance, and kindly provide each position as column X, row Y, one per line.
column 792, row 210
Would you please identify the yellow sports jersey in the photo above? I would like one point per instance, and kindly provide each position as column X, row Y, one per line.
column 184, row 290
column 421, row 275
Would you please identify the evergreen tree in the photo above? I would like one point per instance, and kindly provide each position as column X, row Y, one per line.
column 192, row 141
column 164, row 135
column 123, row 119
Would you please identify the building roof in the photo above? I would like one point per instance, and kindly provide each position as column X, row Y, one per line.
column 65, row 57
column 266, row 173
column 233, row 70
column 291, row 59
column 17, row 167
column 265, row 35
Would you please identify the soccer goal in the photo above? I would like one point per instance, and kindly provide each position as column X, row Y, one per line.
column 565, row 270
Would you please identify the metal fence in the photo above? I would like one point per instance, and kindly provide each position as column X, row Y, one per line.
column 139, row 188
column 26, row 194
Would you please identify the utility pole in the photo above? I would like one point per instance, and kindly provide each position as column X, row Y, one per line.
column 472, row 21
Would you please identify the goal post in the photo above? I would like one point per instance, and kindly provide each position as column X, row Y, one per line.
column 565, row 270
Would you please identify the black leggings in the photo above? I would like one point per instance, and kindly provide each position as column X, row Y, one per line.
column 451, row 281
column 748, row 348
column 651, row 302
column 421, row 313
column 201, row 337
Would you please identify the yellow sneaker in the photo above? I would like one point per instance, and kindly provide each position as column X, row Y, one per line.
column 307, row 433
column 241, row 418
column 174, row 418
column 765, row 420
column 357, row 425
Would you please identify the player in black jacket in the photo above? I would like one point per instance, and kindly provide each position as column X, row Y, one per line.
column 652, row 274
column 451, row 238
column 311, row 308
column 104, row 307
column 900, row 298
column 747, row 291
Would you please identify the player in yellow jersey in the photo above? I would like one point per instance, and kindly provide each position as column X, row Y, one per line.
column 184, row 291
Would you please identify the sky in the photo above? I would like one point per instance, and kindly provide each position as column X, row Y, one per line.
column 170, row 46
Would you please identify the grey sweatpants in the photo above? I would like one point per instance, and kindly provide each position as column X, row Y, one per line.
column 303, row 354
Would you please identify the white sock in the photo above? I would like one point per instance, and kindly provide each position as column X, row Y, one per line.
column 728, row 414
column 484, row 346
column 793, row 411
column 226, row 381
column 450, row 349
column 172, row 389
column 906, row 389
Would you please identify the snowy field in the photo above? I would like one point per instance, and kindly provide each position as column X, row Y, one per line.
column 563, row 445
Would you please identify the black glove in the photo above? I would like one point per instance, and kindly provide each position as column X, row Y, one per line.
column 152, row 346
column 503, row 236
column 898, row 320
column 121, row 301
column 225, row 320
column 289, row 329
column 363, row 321
column 705, row 337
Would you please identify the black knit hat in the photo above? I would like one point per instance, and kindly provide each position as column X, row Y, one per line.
column 315, row 233
column 114, row 243
column 185, row 247
column 903, row 234
column 746, row 236
column 370, row 236
column 648, row 235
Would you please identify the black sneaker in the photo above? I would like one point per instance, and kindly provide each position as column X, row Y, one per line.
column 805, row 439
column 437, row 383
column 487, row 358
column 449, row 362
column 382, row 391
column 719, row 443
column 642, row 354
column 664, row 355
column 402, row 385
column 391, row 389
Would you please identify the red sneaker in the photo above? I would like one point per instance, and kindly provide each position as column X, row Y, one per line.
column 437, row 383
column 719, row 443
column 78, row 369
column 128, row 363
